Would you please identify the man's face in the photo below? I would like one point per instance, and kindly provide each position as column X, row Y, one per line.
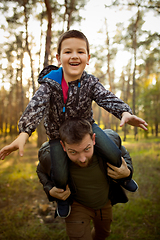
column 73, row 57
column 81, row 153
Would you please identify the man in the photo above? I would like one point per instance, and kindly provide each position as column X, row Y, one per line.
column 91, row 187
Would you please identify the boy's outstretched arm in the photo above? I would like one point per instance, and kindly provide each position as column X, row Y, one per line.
column 18, row 143
column 133, row 120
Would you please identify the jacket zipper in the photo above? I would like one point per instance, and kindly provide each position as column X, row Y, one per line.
column 64, row 104
column 78, row 90
column 77, row 98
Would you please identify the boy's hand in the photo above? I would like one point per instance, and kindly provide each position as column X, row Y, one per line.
column 133, row 120
column 118, row 173
column 60, row 193
column 16, row 144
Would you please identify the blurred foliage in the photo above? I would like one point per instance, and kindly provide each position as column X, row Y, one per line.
column 21, row 198
column 22, row 51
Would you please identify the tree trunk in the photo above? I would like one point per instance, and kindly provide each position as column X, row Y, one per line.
column 21, row 84
column 42, row 137
column 134, row 71
column 40, row 45
column 48, row 35
column 126, row 96
column 108, row 58
column 28, row 49
column 156, row 129
column 69, row 8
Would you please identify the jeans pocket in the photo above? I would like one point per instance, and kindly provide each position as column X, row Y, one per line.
column 75, row 228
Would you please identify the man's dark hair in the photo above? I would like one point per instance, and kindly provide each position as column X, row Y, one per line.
column 71, row 34
column 74, row 130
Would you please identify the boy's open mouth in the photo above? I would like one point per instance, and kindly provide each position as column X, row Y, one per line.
column 74, row 64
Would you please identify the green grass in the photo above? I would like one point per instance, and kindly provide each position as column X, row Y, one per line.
column 140, row 217
column 21, row 195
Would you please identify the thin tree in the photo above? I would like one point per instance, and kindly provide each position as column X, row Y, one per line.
column 42, row 137
column 26, row 19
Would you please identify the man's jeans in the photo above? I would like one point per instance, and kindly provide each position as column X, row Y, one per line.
column 78, row 222
column 59, row 159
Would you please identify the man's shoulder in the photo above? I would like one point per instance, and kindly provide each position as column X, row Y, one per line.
column 114, row 136
column 109, row 131
column 44, row 156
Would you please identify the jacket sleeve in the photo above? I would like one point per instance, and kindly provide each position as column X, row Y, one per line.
column 45, row 181
column 35, row 110
column 109, row 101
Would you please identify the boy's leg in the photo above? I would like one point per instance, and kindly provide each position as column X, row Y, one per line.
column 59, row 164
column 107, row 147
column 59, row 175
column 112, row 153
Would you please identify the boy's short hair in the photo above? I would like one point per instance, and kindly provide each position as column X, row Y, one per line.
column 71, row 34
column 74, row 130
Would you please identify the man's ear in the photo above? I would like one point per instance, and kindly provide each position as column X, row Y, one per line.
column 58, row 59
column 64, row 149
column 94, row 138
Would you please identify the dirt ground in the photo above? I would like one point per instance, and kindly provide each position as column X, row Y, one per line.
column 25, row 209
column 17, row 192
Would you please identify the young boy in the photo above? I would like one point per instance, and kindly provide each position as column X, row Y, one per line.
column 65, row 93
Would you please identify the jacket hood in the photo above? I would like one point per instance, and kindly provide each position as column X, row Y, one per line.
column 50, row 72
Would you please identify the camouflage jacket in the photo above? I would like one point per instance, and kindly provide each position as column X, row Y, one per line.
column 48, row 102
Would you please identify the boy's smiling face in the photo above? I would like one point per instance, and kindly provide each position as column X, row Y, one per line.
column 73, row 57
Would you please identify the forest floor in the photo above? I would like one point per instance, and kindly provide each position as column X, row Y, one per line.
column 26, row 214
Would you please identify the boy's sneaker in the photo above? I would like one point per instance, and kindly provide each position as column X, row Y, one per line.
column 129, row 185
column 63, row 208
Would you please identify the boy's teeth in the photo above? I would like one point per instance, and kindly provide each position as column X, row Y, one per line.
column 74, row 64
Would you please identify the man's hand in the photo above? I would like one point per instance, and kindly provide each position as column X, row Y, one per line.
column 60, row 193
column 133, row 120
column 118, row 173
column 15, row 145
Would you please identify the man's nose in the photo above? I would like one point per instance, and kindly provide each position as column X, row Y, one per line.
column 82, row 158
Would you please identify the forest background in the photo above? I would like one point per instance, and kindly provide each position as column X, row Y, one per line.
column 124, row 37
column 125, row 54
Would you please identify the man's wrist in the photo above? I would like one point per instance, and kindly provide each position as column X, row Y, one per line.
column 128, row 173
column 51, row 192
column 129, row 176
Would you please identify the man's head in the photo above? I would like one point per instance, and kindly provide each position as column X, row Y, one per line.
column 73, row 54
column 78, row 140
